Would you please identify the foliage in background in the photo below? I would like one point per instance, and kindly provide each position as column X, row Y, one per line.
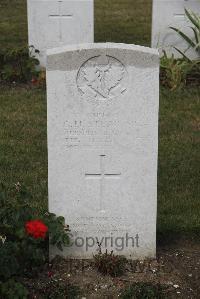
column 176, row 73
column 109, row 263
column 143, row 290
column 173, row 71
column 192, row 42
column 20, row 252
column 18, row 65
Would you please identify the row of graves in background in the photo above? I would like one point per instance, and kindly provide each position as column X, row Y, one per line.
column 54, row 23
column 103, row 104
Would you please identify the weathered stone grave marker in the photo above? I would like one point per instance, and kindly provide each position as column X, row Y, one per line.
column 53, row 23
column 102, row 146
column 60, row 16
column 168, row 13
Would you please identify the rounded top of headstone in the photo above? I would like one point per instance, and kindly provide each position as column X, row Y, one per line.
column 87, row 46
column 71, row 57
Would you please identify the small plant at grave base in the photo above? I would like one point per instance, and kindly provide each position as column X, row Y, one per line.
column 109, row 263
column 143, row 290
column 192, row 42
column 18, row 65
column 25, row 235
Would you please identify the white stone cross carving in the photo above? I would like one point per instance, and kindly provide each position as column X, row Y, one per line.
column 102, row 175
column 60, row 16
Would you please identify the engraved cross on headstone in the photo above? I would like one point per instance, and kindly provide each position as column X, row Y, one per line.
column 102, row 176
column 60, row 16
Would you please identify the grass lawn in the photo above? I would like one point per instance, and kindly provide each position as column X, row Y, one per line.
column 179, row 171
column 23, row 119
column 23, row 140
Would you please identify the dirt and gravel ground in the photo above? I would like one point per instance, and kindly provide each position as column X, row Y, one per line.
column 177, row 269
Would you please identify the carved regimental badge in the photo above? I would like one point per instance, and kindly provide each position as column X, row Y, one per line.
column 102, row 78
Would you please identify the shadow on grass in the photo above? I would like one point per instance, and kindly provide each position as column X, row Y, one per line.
column 172, row 237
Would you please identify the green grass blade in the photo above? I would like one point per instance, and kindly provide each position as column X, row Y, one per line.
column 194, row 19
column 184, row 36
column 183, row 54
column 195, row 34
column 197, row 38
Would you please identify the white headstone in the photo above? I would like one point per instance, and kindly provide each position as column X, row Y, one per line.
column 54, row 23
column 102, row 146
column 168, row 13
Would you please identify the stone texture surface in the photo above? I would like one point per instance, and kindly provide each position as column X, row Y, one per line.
column 54, row 23
column 102, row 146
column 171, row 13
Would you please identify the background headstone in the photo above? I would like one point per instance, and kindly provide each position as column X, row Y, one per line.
column 54, row 23
column 171, row 13
column 102, row 146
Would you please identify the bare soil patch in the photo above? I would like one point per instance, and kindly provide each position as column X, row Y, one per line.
column 177, row 269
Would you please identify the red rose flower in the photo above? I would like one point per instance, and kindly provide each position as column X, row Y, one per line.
column 36, row 228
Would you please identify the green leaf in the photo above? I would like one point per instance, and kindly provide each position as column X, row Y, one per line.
column 61, row 220
column 196, row 35
column 182, row 54
column 193, row 18
column 184, row 36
